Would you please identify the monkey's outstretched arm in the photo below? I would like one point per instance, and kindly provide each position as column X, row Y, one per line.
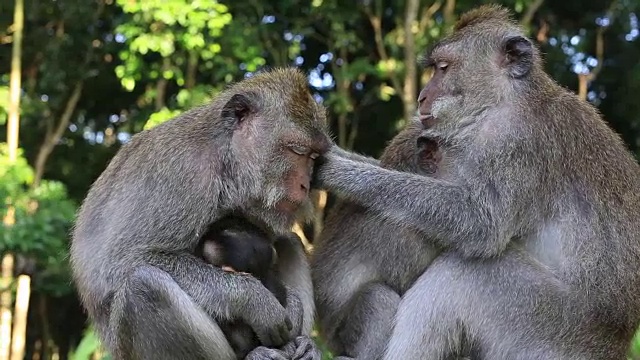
column 449, row 213
column 354, row 156
column 227, row 296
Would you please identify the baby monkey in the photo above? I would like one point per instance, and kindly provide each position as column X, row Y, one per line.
column 236, row 245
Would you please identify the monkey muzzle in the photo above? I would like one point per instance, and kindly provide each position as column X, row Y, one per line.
column 427, row 120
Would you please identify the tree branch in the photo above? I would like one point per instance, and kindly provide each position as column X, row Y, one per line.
column 531, row 11
column 585, row 79
column 52, row 137
column 376, row 24
column 427, row 15
column 449, row 13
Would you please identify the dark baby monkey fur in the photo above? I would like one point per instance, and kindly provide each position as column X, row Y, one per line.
column 536, row 211
column 251, row 152
column 358, row 286
column 237, row 245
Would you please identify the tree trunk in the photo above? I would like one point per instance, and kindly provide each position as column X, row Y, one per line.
column 20, row 323
column 13, row 124
column 13, row 127
column 6, row 300
column 161, row 85
column 409, row 91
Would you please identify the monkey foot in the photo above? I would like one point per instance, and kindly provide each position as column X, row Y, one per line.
column 265, row 353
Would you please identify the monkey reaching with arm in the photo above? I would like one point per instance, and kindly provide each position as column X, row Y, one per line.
column 250, row 152
column 537, row 211
column 357, row 286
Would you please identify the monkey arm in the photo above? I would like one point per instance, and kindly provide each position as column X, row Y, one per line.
column 137, row 332
column 227, row 296
column 452, row 214
column 295, row 275
column 354, row 156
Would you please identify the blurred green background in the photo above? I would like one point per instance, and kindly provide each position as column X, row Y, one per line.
column 94, row 72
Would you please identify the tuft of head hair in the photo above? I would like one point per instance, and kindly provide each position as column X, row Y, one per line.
column 482, row 14
column 291, row 86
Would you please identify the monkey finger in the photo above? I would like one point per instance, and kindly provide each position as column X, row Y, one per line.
column 285, row 333
column 289, row 323
column 275, row 336
column 306, row 349
column 265, row 353
column 228, row 268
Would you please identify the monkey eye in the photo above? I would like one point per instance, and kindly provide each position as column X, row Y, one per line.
column 442, row 66
column 299, row 150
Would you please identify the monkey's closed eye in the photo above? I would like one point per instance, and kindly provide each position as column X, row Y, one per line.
column 299, row 150
column 442, row 66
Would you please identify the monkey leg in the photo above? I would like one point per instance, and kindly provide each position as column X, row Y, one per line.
column 506, row 308
column 153, row 318
column 368, row 321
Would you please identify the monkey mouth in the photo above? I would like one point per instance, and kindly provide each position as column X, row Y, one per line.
column 287, row 206
column 427, row 120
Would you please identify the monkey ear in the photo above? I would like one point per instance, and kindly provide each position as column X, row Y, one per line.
column 518, row 56
column 238, row 108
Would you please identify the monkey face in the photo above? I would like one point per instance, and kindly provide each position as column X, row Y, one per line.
column 412, row 151
column 473, row 73
column 279, row 132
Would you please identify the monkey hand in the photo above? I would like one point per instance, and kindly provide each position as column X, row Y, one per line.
column 324, row 169
column 302, row 348
column 265, row 315
column 265, row 353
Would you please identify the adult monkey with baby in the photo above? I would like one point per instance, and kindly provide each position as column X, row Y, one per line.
column 536, row 210
column 250, row 152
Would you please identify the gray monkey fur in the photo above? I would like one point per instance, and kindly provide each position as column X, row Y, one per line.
column 536, row 212
column 132, row 252
column 357, row 286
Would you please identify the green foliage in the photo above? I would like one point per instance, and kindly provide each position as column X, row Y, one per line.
column 88, row 346
column 4, row 104
column 43, row 218
column 173, row 29
column 159, row 117
column 634, row 351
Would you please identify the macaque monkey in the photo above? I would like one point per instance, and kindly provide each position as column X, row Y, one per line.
column 536, row 211
column 251, row 152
